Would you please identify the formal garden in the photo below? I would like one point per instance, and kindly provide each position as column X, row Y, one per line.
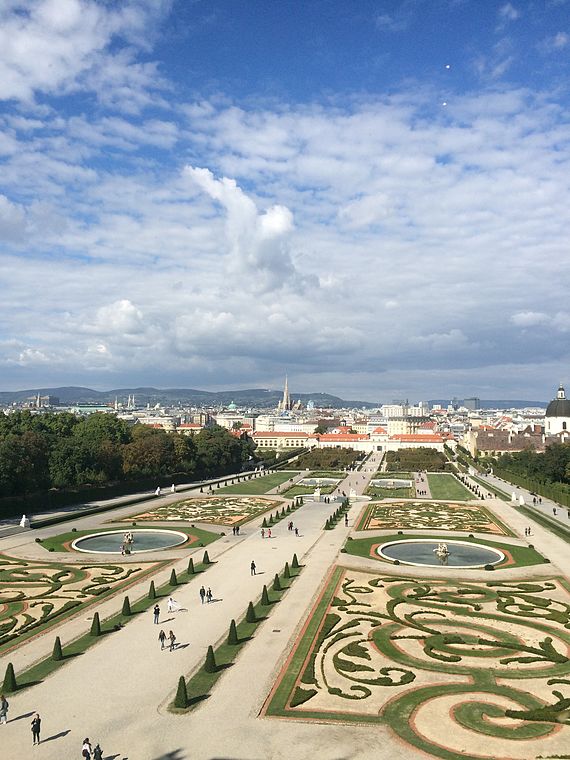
column 416, row 515
column 455, row 669
column 37, row 595
column 216, row 510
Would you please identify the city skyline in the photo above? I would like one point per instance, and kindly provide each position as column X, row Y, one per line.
column 372, row 198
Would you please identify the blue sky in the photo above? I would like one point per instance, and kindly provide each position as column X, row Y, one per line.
column 370, row 196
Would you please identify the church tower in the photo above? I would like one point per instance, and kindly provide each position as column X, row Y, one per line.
column 285, row 403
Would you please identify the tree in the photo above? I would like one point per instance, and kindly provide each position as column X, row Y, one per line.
column 181, row 698
column 57, row 653
column 10, row 684
column 210, row 665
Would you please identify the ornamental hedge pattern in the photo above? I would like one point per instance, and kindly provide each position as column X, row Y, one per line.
column 454, row 668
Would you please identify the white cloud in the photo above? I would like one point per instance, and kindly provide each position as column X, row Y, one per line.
column 529, row 318
column 508, row 12
column 53, row 46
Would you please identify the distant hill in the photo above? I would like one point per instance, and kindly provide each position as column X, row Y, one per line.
column 254, row 397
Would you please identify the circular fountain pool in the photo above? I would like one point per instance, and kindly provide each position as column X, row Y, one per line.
column 110, row 541
column 421, row 551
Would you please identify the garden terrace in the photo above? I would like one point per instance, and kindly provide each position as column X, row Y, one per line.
column 454, row 669
column 429, row 515
column 216, row 510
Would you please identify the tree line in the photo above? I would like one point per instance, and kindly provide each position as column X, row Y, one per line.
column 44, row 451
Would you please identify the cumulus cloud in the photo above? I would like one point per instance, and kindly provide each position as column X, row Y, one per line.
column 51, row 46
column 258, row 241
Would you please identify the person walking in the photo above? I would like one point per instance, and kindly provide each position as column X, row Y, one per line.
column 263, row 533
column 162, row 639
column 172, row 639
column 209, row 595
column 86, row 749
column 252, row 567
column 97, row 752
column 202, row 594
column 36, row 728
column 4, row 705
column 156, row 613
column 268, row 532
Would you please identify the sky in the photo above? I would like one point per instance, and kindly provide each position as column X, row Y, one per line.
column 371, row 197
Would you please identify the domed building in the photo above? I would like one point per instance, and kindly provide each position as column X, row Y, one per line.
column 558, row 414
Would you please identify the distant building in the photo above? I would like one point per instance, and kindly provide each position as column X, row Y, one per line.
column 471, row 404
column 558, row 414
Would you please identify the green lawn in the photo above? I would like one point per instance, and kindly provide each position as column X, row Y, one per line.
column 523, row 556
column 258, row 485
column 445, row 486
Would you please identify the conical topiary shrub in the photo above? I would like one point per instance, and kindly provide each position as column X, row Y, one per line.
column 181, row 698
column 151, row 591
column 95, row 625
column 210, row 665
column 295, row 561
column 288, row 510
column 286, row 572
column 190, row 570
column 250, row 614
column 276, row 583
column 173, row 579
column 264, row 523
column 232, row 635
column 283, row 512
column 126, row 606
column 265, row 597
column 206, row 560
column 9, row 679
column 57, row 654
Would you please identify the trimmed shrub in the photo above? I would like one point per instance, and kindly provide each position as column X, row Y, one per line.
column 57, row 654
column 250, row 614
column 190, row 570
column 232, row 635
column 151, row 591
column 210, row 665
column 265, row 597
column 126, row 607
column 264, row 523
column 286, row 571
column 181, row 698
column 173, row 579
column 10, row 683
column 95, row 625
column 276, row 583
column 206, row 560
column 489, row 567
column 295, row 561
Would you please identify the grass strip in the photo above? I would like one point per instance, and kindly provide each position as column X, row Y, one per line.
column 201, row 683
column 497, row 491
column 42, row 669
column 445, row 486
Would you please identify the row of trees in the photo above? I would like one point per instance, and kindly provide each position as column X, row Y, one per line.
column 552, row 466
column 39, row 452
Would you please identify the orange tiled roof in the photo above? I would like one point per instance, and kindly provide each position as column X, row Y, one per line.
column 417, row 438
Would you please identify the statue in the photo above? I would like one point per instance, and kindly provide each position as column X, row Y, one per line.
column 317, row 494
column 25, row 522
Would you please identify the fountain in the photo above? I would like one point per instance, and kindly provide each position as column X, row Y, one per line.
column 132, row 542
column 425, row 551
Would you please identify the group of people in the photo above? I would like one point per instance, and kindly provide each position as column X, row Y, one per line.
column 205, row 595
column 171, row 638
column 235, row 530
column 527, row 531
